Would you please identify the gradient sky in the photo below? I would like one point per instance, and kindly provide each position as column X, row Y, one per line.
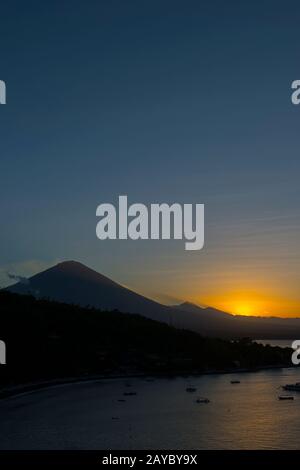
column 165, row 101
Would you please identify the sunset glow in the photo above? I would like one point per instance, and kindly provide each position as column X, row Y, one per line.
column 256, row 305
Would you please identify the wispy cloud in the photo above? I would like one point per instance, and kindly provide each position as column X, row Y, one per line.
column 17, row 278
column 22, row 271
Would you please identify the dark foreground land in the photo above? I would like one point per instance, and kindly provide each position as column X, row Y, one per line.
column 46, row 340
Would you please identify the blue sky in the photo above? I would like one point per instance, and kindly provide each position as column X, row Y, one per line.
column 164, row 101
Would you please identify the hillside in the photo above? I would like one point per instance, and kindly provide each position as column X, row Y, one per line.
column 47, row 339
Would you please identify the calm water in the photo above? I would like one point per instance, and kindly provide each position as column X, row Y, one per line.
column 282, row 343
column 162, row 414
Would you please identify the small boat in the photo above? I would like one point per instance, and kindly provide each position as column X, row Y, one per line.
column 292, row 387
column 129, row 394
column 285, row 397
column 121, row 400
column 235, row 381
column 191, row 389
column 202, row 400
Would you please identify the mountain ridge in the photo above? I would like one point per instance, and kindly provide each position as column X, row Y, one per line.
column 73, row 282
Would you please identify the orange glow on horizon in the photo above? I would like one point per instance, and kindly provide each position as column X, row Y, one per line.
column 248, row 294
column 253, row 304
column 243, row 308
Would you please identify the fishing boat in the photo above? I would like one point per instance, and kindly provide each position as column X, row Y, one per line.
column 292, row 387
column 191, row 389
column 129, row 394
column 202, row 400
column 285, row 397
column 235, row 381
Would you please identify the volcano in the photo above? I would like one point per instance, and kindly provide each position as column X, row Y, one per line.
column 74, row 283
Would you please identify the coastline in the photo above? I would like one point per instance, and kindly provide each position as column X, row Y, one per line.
column 31, row 387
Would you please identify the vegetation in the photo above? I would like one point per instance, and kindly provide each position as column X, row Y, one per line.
column 46, row 339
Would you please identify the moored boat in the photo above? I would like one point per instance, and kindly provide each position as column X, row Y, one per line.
column 202, row 400
column 292, row 387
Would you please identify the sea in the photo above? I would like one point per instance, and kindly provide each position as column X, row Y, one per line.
column 159, row 413
column 282, row 343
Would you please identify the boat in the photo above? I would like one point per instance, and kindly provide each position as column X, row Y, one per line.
column 235, row 381
column 191, row 389
column 202, row 400
column 292, row 387
column 285, row 397
column 129, row 394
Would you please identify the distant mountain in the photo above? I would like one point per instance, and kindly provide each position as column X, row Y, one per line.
column 226, row 325
column 75, row 283
column 213, row 312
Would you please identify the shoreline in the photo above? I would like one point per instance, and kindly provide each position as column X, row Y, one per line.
column 31, row 387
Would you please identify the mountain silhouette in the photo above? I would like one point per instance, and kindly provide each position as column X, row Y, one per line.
column 74, row 283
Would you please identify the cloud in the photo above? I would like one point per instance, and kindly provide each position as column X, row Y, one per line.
column 16, row 277
column 21, row 271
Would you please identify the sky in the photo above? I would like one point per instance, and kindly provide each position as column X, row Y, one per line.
column 164, row 101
